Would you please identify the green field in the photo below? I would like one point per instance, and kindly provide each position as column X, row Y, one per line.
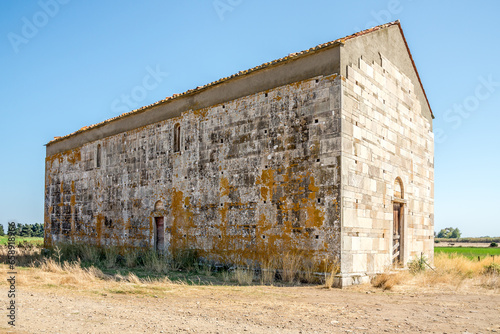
column 32, row 240
column 471, row 252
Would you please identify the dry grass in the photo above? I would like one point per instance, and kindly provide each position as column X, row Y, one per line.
column 70, row 275
column 333, row 269
column 290, row 267
column 24, row 255
column 387, row 281
column 111, row 254
column 450, row 270
column 131, row 256
column 455, row 270
column 244, row 276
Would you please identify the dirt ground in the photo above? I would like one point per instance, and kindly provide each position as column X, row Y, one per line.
column 255, row 309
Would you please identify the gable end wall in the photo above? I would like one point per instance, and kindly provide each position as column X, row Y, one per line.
column 384, row 136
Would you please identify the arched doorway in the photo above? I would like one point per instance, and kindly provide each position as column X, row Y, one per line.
column 398, row 223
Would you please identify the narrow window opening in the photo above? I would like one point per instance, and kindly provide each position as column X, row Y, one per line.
column 265, row 95
column 316, row 121
column 177, row 137
column 98, row 156
column 319, row 200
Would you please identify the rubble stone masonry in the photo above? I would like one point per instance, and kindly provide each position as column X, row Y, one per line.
column 254, row 177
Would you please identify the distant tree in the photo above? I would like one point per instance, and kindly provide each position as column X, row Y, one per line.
column 449, row 232
column 455, row 234
column 38, row 230
column 19, row 228
column 25, row 231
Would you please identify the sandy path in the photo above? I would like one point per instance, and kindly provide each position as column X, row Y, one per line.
column 217, row 309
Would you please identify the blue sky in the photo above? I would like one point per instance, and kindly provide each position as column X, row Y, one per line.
column 65, row 64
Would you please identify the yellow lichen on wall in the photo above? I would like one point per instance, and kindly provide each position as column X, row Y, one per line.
column 266, row 180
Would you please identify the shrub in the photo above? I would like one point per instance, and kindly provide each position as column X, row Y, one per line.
column 492, row 268
column 185, row 259
column 417, row 265
column 111, row 254
column 153, row 261
column 131, row 256
column 493, row 244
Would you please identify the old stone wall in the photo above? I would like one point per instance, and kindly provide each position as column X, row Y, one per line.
column 384, row 137
column 255, row 177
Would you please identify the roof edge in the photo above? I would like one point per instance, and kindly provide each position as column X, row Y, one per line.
column 415, row 67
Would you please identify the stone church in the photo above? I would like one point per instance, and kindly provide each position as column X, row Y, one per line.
column 328, row 153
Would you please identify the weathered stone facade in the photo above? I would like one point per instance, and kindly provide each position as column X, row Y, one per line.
column 309, row 154
column 385, row 141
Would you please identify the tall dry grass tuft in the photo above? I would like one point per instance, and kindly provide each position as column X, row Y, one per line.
column 387, row 281
column 71, row 272
column 290, row 267
column 244, row 276
column 268, row 266
column 332, row 270
column 90, row 253
column 154, row 262
column 111, row 256
column 131, row 256
column 132, row 278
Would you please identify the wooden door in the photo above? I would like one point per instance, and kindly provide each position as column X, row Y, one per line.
column 160, row 234
column 396, row 235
